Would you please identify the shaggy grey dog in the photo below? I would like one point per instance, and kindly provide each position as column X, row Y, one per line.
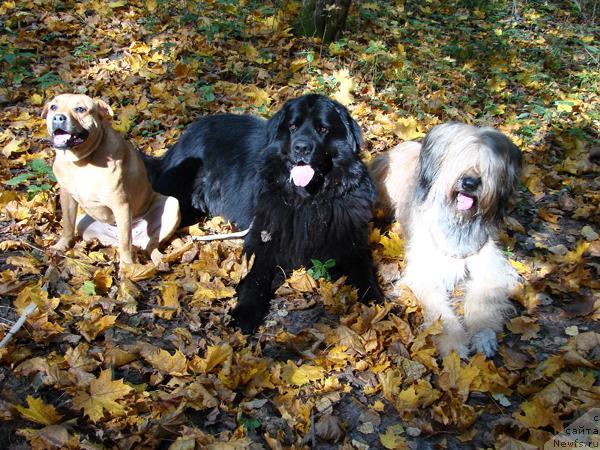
column 450, row 195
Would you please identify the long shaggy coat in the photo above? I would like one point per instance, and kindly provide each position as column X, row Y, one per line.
column 450, row 195
column 296, row 180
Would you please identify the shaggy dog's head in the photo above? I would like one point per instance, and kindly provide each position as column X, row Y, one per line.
column 313, row 135
column 471, row 171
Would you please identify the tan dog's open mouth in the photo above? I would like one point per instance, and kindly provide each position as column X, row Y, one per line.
column 64, row 139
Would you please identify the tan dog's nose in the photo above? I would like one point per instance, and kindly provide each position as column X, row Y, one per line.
column 59, row 119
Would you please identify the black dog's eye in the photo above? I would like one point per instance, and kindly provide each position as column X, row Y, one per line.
column 80, row 109
column 53, row 107
column 293, row 127
column 323, row 130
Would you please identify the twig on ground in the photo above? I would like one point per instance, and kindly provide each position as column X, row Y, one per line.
column 313, row 438
column 222, row 236
column 17, row 326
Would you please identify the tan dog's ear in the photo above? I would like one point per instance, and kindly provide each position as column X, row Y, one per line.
column 45, row 110
column 105, row 110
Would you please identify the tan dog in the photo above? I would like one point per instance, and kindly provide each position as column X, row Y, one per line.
column 100, row 171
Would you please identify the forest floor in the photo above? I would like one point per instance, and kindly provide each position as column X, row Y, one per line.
column 150, row 362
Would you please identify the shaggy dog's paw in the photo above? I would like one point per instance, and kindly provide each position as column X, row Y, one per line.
column 447, row 343
column 484, row 341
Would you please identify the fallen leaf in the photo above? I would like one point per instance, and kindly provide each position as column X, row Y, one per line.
column 39, row 412
column 102, row 397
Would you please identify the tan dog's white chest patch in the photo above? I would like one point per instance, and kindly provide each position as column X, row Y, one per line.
column 94, row 194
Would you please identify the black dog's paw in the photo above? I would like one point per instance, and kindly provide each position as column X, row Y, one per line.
column 246, row 317
column 370, row 293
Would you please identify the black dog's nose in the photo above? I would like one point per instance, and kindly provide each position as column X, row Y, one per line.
column 470, row 183
column 59, row 119
column 302, row 147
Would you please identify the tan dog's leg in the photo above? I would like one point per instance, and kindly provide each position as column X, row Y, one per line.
column 69, row 214
column 122, row 213
column 157, row 225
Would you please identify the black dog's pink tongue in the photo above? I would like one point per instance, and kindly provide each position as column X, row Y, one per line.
column 301, row 175
column 61, row 138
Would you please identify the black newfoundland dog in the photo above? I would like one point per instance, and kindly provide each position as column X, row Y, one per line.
column 296, row 180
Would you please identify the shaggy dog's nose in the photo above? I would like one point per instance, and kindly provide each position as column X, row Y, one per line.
column 470, row 183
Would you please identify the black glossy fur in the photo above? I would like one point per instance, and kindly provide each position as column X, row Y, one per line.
column 239, row 167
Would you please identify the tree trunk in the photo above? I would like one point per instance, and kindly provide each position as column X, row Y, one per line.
column 323, row 18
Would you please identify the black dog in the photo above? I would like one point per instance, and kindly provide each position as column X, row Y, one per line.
column 296, row 180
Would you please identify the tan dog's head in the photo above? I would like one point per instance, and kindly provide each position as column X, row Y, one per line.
column 74, row 123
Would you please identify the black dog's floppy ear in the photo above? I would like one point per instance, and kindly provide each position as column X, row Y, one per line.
column 355, row 139
column 275, row 122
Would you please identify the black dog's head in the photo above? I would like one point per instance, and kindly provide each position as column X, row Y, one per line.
column 313, row 134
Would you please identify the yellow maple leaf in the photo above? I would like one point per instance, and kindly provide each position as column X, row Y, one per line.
column 519, row 266
column 39, row 412
column 257, row 96
column 457, row 378
column 407, row 129
column 390, row 383
column 391, row 439
column 393, row 245
column 419, row 394
column 536, row 414
column 12, row 146
column 299, row 376
column 115, row 357
column 102, row 397
column 215, row 355
column 102, row 279
column 126, row 116
column 36, row 99
column 91, row 327
column 163, row 361
column 301, row 281
column 151, row 5
column 78, row 358
column 138, row 272
column 345, row 86
column 527, row 327
column 169, row 300
column 337, row 296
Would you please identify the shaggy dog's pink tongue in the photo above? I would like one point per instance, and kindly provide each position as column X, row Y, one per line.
column 464, row 202
column 301, row 175
column 61, row 138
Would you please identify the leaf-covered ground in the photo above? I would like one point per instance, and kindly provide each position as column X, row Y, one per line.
column 151, row 363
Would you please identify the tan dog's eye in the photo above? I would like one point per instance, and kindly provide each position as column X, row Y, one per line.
column 53, row 107
column 80, row 109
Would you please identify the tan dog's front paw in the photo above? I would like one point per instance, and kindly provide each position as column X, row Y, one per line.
column 62, row 244
column 125, row 269
column 156, row 256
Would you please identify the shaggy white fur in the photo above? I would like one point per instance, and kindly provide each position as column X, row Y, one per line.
column 450, row 196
